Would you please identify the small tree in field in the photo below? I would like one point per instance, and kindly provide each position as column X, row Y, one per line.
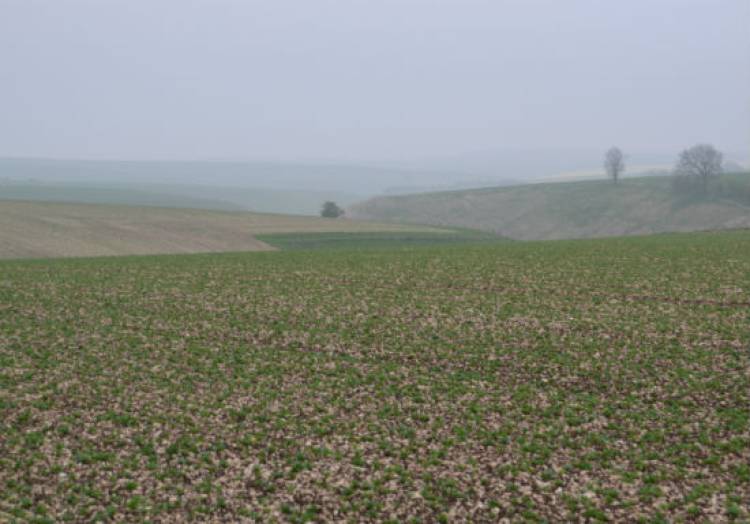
column 331, row 210
column 614, row 163
column 700, row 162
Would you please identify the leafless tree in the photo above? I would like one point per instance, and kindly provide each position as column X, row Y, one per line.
column 702, row 161
column 614, row 163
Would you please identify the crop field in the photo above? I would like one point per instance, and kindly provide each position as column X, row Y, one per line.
column 558, row 381
column 377, row 240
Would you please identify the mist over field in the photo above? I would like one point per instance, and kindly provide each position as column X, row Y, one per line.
column 353, row 93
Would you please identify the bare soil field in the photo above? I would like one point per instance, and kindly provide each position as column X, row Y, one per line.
column 46, row 229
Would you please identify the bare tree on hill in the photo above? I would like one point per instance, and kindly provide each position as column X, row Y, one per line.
column 702, row 161
column 614, row 163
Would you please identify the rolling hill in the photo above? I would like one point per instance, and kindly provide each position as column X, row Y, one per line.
column 45, row 229
column 266, row 187
column 573, row 209
column 256, row 199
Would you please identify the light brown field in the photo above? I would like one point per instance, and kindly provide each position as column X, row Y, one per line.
column 44, row 229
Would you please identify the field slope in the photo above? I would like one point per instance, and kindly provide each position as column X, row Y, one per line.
column 636, row 206
column 574, row 381
column 46, row 229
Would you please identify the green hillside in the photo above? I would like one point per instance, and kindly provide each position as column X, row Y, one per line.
column 111, row 194
column 573, row 209
column 257, row 199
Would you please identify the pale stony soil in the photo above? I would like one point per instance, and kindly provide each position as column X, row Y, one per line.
column 527, row 382
column 43, row 229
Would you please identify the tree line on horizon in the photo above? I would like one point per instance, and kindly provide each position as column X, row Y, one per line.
column 695, row 166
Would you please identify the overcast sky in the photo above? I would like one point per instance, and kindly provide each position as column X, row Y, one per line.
column 369, row 79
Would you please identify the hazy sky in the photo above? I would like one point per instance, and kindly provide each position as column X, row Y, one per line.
column 369, row 79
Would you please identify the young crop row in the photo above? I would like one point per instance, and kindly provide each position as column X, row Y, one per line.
column 601, row 380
